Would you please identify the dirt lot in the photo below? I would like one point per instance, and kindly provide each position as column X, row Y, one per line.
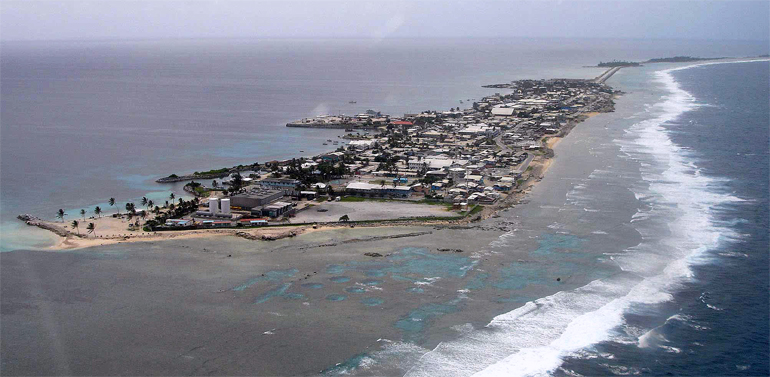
column 369, row 210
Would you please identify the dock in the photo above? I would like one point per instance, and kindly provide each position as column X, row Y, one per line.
column 606, row 75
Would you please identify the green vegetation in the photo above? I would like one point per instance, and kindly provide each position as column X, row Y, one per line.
column 618, row 63
column 212, row 172
column 678, row 59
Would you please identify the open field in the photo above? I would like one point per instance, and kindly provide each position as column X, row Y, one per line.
column 370, row 210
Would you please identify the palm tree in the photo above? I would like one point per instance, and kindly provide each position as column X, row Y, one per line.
column 157, row 211
column 83, row 213
column 144, row 201
column 60, row 214
column 130, row 206
column 98, row 211
column 150, row 204
column 75, row 224
column 171, row 196
column 112, row 204
column 91, row 228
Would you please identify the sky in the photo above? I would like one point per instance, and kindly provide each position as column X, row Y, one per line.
column 171, row 19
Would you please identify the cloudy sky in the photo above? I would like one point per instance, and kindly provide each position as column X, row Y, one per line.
column 116, row 19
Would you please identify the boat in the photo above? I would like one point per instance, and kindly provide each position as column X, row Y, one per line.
column 326, row 143
column 352, row 102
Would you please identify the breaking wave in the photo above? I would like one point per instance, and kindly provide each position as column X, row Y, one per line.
column 678, row 227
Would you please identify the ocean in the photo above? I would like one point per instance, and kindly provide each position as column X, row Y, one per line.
column 86, row 121
column 688, row 293
column 644, row 250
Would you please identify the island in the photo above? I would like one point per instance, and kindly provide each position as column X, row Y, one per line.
column 443, row 168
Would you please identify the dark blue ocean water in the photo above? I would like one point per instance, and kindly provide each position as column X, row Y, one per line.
column 717, row 323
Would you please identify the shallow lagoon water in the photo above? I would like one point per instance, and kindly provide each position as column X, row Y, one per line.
column 336, row 297
column 372, row 301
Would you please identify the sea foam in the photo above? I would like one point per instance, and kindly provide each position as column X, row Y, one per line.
column 677, row 227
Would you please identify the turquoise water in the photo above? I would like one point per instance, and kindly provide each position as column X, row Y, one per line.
column 275, row 292
column 313, row 285
column 409, row 264
column 355, row 290
column 293, row 296
column 417, row 321
column 340, row 279
column 274, row 275
column 336, row 297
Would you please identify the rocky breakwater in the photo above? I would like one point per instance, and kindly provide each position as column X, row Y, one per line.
column 34, row 221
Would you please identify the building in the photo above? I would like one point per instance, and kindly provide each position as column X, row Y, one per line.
column 374, row 190
column 287, row 185
column 277, row 209
column 179, row 222
column 362, row 144
column 256, row 197
column 217, row 223
column 503, row 111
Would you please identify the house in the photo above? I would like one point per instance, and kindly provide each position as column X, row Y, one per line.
column 333, row 156
column 179, row 222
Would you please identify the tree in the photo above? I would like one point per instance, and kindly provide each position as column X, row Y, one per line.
column 144, row 201
column 214, row 183
column 60, row 214
column 172, row 196
column 98, row 211
column 130, row 206
column 75, row 224
column 344, row 218
column 150, row 204
column 91, row 228
column 112, row 204
column 83, row 213
column 157, row 211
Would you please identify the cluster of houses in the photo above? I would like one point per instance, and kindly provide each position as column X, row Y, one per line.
column 471, row 156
